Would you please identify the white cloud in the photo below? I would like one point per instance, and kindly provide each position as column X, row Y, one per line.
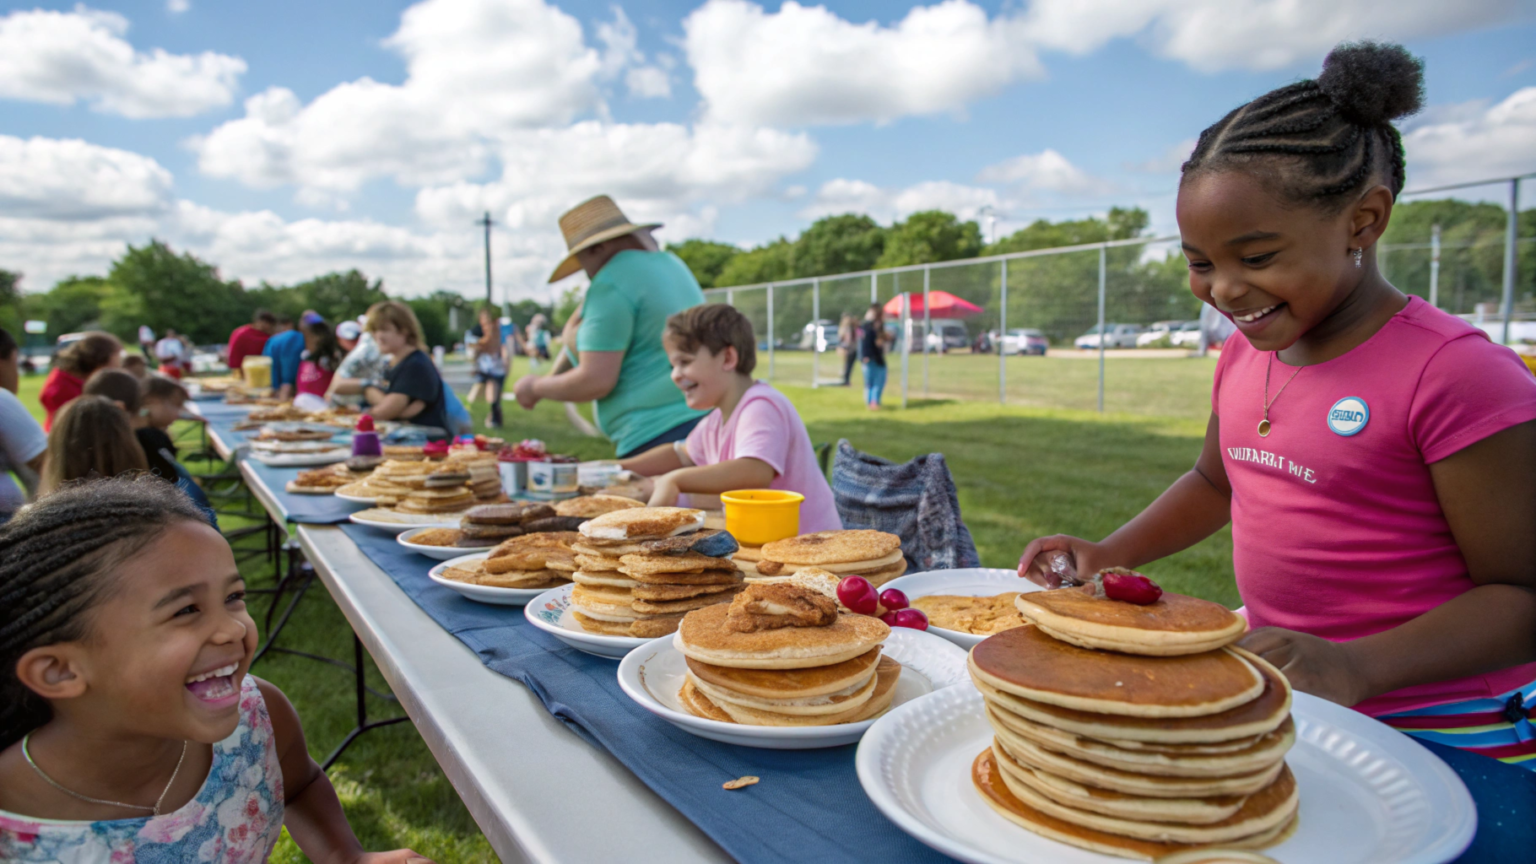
column 1473, row 142
column 805, row 65
column 1215, row 35
column 891, row 205
column 648, row 82
column 1047, row 171
column 64, row 57
column 476, row 70
column 176, row 7
column 1169, row 161
column 72, row 180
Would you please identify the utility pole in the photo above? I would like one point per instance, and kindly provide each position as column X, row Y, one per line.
column 487, row 223
column 1434, row 265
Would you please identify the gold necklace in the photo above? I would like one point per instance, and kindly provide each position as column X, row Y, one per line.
column 27, row 754
column 1264, row 425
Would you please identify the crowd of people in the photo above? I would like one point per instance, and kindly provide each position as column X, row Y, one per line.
column 1374, row 456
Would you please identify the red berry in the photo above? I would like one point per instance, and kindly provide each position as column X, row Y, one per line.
column 889, row 618
column 912, row 618
column 893, row 599
column 857, row 594
column 1131, row 588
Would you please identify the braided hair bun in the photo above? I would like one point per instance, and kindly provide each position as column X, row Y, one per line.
column 1372, row 82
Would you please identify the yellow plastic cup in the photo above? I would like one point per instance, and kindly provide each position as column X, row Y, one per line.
column 758, row 516
column 258, row 372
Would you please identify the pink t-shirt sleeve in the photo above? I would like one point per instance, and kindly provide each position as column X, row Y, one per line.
column 1469, row 390
column 1221, row 366
column 763, row 432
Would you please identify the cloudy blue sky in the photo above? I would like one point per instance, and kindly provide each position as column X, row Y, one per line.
column 280, row 140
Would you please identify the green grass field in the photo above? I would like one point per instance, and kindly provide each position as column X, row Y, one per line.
column 1021, row 472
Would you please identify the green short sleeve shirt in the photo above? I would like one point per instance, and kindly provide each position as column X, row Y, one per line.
column 626, row 309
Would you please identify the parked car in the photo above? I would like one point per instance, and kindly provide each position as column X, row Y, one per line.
column 944, row 335
column 1021, row 341
column 1119, row 336
column 1165, row 330
column 1186, row 336
column 821, row 334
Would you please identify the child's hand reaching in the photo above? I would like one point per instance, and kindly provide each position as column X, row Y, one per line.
column 664, row 491
column 1312, row 664
column 1088, row 558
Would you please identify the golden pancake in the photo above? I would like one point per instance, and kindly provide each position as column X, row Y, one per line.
column 788, row 683
column 1130, row 782
column 991, row 783
column 470, row 575
column 507, row 514
column 1245, row 722
column 832, row 547
column 1272, row 806
column 748, row 553
column 538, row 550
column 656, row 625
column 524, row 579
column 887, row 673
column 438, row 537
column 1026, row 662
column 594, row 563
column 979, row 616
column 688, row 562
column 747, row 568
column 682, row 605
column 699, row 705
column 841, row 702
column 610, row 578
column 659, row 593
column 643, row 523
column 884, row 574
column 1174, row 624
column 604, row 628
column 1190, row 811
column 1261, row 754
column 702, row 577
column 704, row 636
column 603, row 602
column 845, row 567
column 590, row 506
column 588, row 546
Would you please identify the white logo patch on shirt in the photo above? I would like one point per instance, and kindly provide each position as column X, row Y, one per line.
column 1348, row 416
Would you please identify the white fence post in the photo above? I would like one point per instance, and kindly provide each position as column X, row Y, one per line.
column 874, row 290
column 816, row 336
column 1511, row 238
column 927, row 326
column 770, row 331
column 1002, row 336
column 1434, row 265
column 906, row 341
column 1102, row 334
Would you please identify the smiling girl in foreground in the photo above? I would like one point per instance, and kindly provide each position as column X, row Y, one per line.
column 129, row 727
column 1376, row 456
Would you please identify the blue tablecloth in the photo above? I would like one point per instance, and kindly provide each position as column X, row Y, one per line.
column 304, row 509
column 809, row 806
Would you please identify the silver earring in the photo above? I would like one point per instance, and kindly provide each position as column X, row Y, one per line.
column 1358, row 253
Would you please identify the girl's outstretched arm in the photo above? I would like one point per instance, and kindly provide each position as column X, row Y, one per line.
column 1196, row 506
column 1486, row 492
column 312, row 813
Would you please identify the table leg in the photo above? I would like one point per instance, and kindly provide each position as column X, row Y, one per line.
column 363, row 723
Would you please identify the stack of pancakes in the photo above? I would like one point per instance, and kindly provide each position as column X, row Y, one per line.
column 746, row 559
column 1135, row 731
column 481, row 474
column 875, row 555
column 781, row 654
column 486, row 525
column 639, row 570
column 539, row 560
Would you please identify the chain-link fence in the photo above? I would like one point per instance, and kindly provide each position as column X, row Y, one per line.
column 1108, row 327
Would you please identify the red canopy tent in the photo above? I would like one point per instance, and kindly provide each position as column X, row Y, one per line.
column 945, row 305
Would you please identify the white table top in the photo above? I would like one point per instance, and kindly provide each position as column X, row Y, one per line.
column 539, row 792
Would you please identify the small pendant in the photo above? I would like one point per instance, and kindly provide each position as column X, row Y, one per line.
column 1264, row 428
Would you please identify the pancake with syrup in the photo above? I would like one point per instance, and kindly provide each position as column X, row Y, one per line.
column 1233, row 729
column 704, row 636
column 1026, row 662
column 1262, row 819
column 1173, row 624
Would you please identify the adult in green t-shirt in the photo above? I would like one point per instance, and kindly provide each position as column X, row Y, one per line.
column 617, row 333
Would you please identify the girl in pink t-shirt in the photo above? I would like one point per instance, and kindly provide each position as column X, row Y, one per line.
column 752, row 439
column 1375, row 456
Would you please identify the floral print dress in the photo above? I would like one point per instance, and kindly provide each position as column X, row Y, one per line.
column 236, row 817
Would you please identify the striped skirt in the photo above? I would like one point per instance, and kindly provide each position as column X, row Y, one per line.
column 1500, row 728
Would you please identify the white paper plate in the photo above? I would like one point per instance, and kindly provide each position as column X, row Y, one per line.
column 653, row 673
column 441, row 553
column 970, row 582
column 298, row 460
column 356, row 499
column 1369, row 794
column 551, row 612
column 482, row 593
column 398, row 527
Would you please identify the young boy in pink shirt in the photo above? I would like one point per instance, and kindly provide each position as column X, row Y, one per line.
column 1375, row 456
column 753, row 439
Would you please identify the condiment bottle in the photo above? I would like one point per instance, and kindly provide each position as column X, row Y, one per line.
column 365, row 441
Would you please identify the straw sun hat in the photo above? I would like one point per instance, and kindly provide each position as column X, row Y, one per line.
column 589, row 223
